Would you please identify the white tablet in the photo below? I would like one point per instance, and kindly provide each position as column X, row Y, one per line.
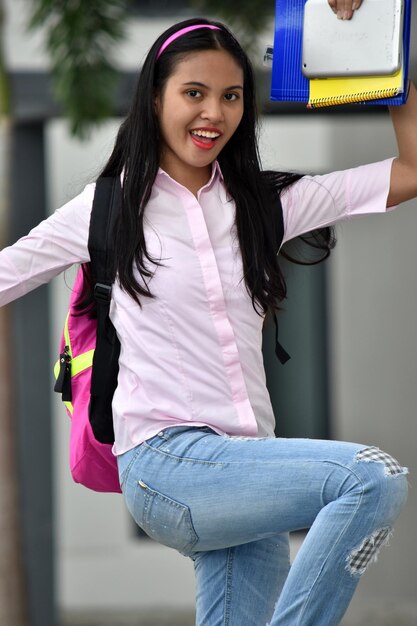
column 370, row 44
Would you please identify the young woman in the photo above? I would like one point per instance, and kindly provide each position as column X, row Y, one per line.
column 199, row 465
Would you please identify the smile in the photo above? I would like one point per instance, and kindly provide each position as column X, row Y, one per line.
column 204, row 138
column 210, row 134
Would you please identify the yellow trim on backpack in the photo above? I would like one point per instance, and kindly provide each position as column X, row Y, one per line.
column 69, row 407
column 81, row 362
column 78, row 363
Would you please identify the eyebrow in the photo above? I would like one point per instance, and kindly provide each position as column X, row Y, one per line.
column 198, row 84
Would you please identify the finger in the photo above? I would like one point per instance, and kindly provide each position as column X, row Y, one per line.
column 344, row 8
column 345, row 12
column 333, row 5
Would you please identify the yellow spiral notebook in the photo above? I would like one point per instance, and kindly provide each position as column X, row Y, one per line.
column 333, row 91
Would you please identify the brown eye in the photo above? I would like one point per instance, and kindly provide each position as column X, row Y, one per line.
column 231, row 97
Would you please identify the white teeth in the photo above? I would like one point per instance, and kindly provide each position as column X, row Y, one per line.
column 205, row 133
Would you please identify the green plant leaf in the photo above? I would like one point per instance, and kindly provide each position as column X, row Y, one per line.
column 80, row 37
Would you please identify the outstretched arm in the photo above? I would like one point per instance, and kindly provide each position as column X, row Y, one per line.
column 404, row 169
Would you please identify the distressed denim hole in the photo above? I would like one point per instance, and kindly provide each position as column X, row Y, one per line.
column 360, row 558
column 373, row 454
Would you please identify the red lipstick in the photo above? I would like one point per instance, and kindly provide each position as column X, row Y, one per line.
column 204, row 143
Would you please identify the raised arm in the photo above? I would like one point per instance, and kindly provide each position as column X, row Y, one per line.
column 404, row 169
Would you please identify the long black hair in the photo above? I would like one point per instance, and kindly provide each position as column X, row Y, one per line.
column 136, row 156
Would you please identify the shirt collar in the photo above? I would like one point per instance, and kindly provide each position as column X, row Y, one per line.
column 216, row 171
column 216, row 175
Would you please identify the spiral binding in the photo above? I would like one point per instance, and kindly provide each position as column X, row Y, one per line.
column 364, row 96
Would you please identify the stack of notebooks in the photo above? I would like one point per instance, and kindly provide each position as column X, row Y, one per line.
column 324, row 61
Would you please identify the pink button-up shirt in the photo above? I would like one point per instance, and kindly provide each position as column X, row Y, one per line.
column 193, row 354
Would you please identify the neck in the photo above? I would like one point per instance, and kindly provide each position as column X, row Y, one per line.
column 192, row 178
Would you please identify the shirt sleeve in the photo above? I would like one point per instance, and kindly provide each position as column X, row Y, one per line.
column 50, row 248
column 318, row 201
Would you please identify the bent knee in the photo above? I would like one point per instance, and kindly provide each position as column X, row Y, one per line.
column 375, row 455
column 386, row 485
column 385, row 475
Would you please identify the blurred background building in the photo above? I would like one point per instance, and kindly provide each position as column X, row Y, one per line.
column 349, row 326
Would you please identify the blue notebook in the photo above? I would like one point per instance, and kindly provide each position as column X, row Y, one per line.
column 288, row 82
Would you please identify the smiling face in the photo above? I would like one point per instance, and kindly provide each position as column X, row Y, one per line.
column 199, row 109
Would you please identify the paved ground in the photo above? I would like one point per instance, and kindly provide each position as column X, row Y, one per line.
column 186, row 619
column 116, row 619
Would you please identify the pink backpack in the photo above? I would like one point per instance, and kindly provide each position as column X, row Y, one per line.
column 87, row 369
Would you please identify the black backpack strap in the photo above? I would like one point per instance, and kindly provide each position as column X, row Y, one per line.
column 280, row 352
column 106, row 209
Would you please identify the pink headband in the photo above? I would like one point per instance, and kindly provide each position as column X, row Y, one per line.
column 182, row 32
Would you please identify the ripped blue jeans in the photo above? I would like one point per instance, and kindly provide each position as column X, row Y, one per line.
column 229, row 503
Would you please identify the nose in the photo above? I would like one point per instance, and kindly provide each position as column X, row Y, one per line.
column 213, row 110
